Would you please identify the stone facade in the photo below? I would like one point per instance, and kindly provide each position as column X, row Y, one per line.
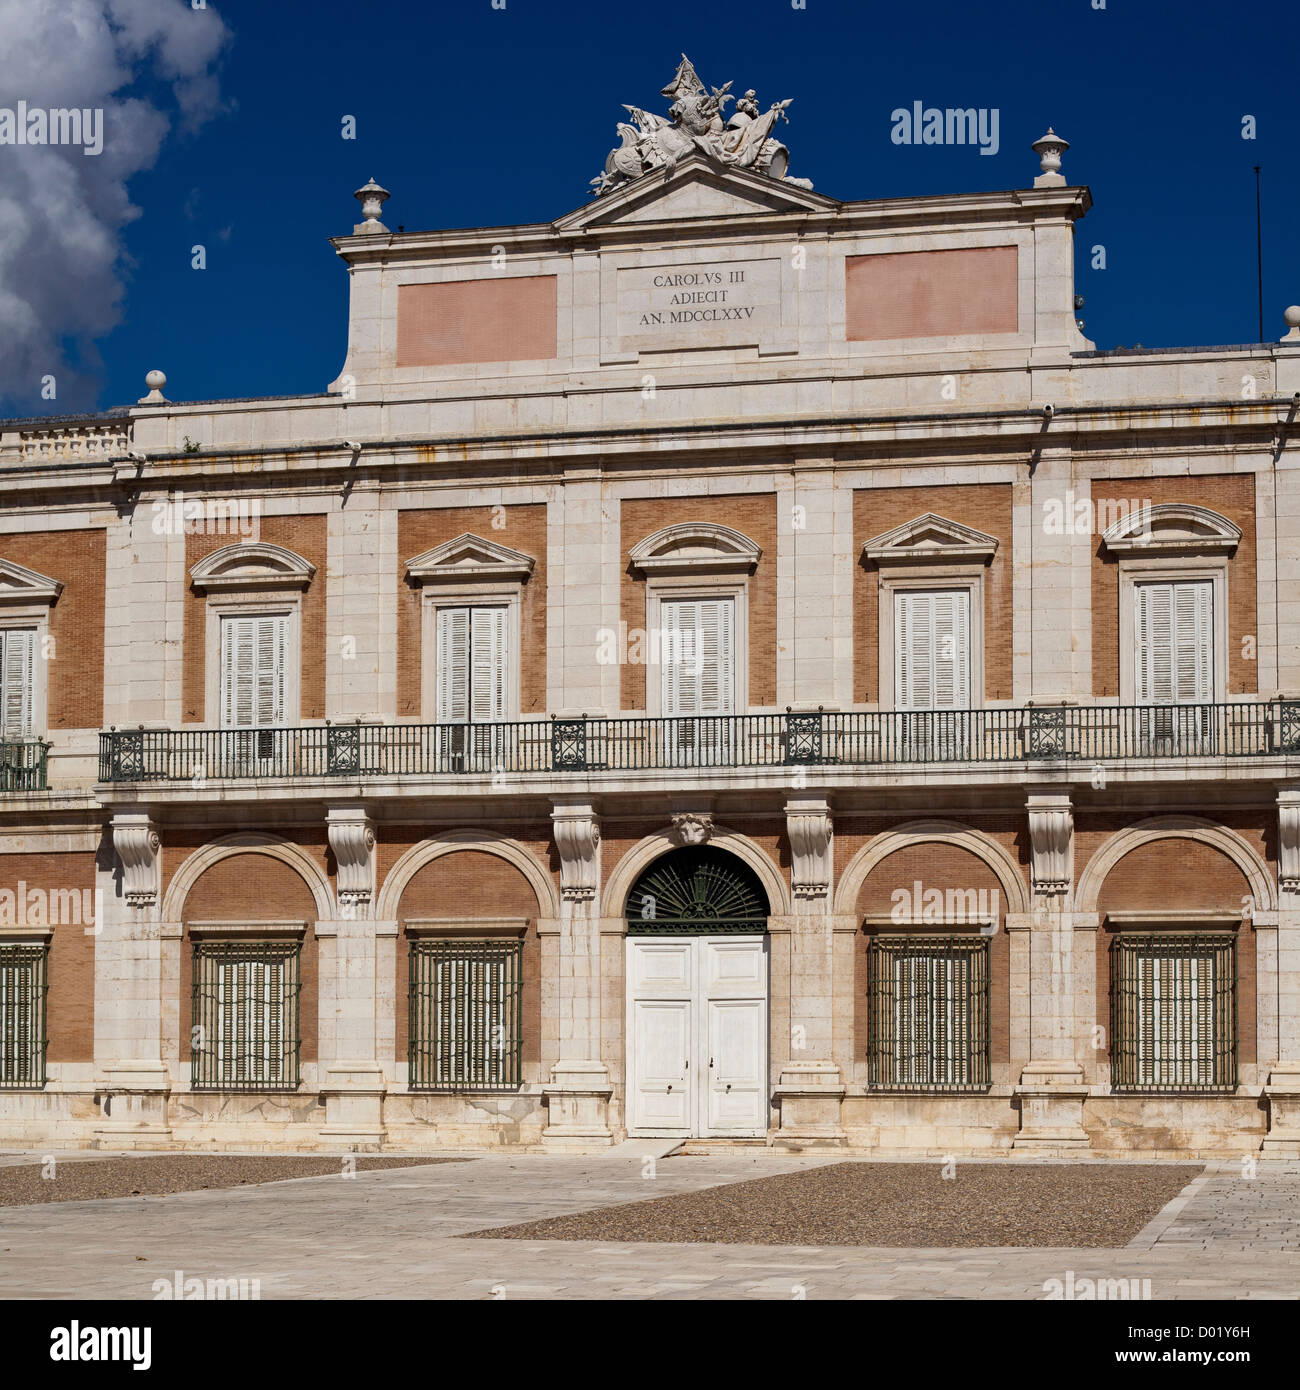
column 898, row 396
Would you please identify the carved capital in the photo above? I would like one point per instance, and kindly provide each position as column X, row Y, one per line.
column 352, row 840
column 1051, row 840
column 692, row 827
column 577, row 837
column 137, row 844
column 1288, row 840
column 810, row 832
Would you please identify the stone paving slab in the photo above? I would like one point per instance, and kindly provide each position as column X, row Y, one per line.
column 394, row 1234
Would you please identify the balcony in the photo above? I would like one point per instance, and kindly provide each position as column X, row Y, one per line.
column 1031, row 736
column 23, row 765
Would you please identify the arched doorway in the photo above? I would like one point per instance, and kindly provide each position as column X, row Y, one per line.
column 697, row 1011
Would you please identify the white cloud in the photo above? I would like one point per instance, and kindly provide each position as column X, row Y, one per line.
column 62, row 212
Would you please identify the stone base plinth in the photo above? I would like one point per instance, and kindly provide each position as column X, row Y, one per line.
column 1283, row 1094
column 577, row 1101
column 133, row 1105
column 809, row 1096
column 1051, row 1098
column 354, row 1105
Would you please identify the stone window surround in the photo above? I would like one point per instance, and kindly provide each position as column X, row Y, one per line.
column 968, row 576
column 1172, row 568
column 661, row 587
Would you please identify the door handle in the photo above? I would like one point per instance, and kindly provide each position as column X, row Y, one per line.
column 670, row 1086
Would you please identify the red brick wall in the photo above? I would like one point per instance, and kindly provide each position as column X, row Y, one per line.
column 986, row 507
column 524, row 530
column 306, row 536
column 1231, row 495
column 76, row 670
column 753, row 515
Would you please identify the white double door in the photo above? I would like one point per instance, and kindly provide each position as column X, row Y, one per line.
column 697, row 1023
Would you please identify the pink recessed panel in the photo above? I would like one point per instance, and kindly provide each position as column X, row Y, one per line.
column 498, row 320
column 931, row 294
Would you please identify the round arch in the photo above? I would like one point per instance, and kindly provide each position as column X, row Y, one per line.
column 944, row 832
column 639, row 858
column 487, row 842
column 247, row 842
column 1196, row 828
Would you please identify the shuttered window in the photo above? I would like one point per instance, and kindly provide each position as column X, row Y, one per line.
column 17, row 676
column 254, row 657
column 1173, row 1012
column 928, row 1016
column 245, row 1016
column 932, row 649
column 1173, row 626
column 22, row 1015
column 697, row 653
column 466, row 1015
column 471, row 665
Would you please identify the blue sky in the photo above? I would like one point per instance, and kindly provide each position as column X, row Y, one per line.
column 474, row 116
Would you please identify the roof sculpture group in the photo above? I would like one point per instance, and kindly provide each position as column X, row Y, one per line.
column 696, row 121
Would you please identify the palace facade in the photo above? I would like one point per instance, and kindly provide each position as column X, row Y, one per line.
column 727, row 665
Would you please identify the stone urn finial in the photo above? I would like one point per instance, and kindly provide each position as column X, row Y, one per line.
column 155, row 381
column 372, row 199
column 1050, row 148
column 1291, row 317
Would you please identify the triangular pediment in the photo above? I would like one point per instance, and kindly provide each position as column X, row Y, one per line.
column 18, row 584
column 931, row 538
column 470, row 557
column 696, row 189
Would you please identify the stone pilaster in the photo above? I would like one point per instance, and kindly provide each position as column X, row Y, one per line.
column 1283, row 1088
column 578, row 1094
column 1051, row 1091
column 353, row 1079
column 809, row 1089
column 133, row 1082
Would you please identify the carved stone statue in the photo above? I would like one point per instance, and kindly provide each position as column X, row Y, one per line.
column 696, row 122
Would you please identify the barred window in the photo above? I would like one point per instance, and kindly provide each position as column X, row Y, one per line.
column 466, row 1015
column 23, row 983
column 245, row 1016
column 928, row 1015
column 1173, row 1017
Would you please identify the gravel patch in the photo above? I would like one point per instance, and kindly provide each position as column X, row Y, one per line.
column 81, row 1180
column 895, row 1205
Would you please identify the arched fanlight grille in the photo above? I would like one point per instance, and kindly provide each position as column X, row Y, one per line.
column 697, row 890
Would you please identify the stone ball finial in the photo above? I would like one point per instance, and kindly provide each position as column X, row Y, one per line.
column 155, row 381
column 1050, row 148
column 372, row 199
column 1291, row 316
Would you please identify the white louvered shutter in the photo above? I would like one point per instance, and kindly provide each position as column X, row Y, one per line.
column 453, row 665
column 1174, row 662
column 254, row 656
column 488, row 670
column 17, row 668
column 698, row 656
column 932, row 649
column 472, row 671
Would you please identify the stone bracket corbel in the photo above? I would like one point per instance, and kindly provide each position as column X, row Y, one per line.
column 352, row 839
column 576, row 826
column 1051, row 839
column 139, row 847
column 810, row 830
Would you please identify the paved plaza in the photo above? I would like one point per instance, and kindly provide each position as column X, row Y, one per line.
column 396, row 1233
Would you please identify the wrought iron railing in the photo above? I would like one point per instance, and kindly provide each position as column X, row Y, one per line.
column 23, row 765
column 1033, row 734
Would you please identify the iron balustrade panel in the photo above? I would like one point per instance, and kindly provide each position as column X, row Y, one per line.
column 24, row 984
column 244, row 1016
column 1173, row 1011
column 928, row 1013
column 854, row 738
column 23, row 765
column 465, row 1014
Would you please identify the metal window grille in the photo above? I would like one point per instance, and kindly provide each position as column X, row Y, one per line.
column 245, row 1016
column 466, row 1015
column 1173, row 1012
column 928, row 1013
column 23, row 985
